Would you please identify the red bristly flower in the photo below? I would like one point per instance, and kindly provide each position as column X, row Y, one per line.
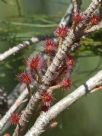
column 77, row 18
column 46, row 98
column 34, row 63
column 67, row 83
column 15, row 118
column 70, row 61
column 61, row 31
column 25, row 78
column 50, row 46
column 95, row 20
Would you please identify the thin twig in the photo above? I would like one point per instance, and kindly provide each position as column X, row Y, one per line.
column 52, row 88
column 17, row 48
column 12, row 109
column 75, row 6
column 94, row 28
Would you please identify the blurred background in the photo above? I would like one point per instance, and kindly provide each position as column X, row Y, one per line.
column 22, row 19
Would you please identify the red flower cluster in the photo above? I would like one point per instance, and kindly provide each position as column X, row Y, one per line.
column 95, row 20
column 67, row 83
column 15, row 119
column 34, row 63
column 61, row 31
column 25, row 78
column 50, row 47
column 77, row 18
column 46, row 98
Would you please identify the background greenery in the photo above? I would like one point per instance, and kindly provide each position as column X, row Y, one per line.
column 22, row 19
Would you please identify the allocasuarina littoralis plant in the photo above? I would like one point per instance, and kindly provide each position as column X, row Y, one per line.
column 51, row 69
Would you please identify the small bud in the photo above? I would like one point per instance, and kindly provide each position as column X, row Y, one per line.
column 54, row 124
column 67, row 83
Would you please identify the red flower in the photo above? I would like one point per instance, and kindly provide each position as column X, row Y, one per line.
column 15, row 119
column 50, row 47
column 25, row 78
column 95, row 20
column 67, row 83
column 46, row 98
column 70, row 61
column 61, row 31
column 77, row 18
column 34, row 63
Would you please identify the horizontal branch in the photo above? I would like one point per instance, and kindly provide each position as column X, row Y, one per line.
column 46, row 117
column 17, row 48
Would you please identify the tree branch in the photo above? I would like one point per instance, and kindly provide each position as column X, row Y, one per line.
column 45, row 117
column 17, row 48
column 12, row 109
column 69, row 40
column 30, row 109
column 64, row 21
column 49, row 75
column 94, row 28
